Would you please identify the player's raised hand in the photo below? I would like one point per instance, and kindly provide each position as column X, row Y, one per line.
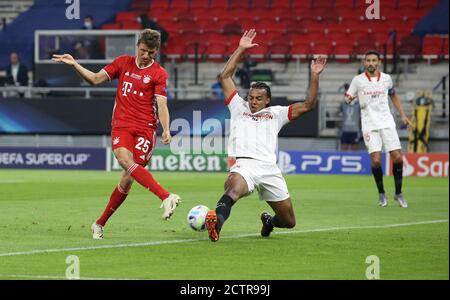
column 65, row 58
column 318, row 65
column 247, row 39
column 166, row 137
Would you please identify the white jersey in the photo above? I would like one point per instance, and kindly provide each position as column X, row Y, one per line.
column 373, row 94
column 255, row 135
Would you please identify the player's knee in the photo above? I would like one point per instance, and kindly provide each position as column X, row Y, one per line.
column 290, row 223
column 397, row 158
column 376, row 163
column 124, row 161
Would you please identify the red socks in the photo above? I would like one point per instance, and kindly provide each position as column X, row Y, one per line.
column 145, row 178
column 116, row 199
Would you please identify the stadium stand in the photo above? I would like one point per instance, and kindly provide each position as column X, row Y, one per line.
column 321, row 23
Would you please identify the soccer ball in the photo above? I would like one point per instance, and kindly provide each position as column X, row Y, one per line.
column 196, row 217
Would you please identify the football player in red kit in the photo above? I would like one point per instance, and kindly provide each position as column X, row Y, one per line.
column 141, row 103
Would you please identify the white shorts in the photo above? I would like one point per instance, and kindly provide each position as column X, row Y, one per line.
column 263, row 176
column 382, row 139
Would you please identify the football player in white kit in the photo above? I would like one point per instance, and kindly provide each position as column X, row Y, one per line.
column 373, row 89
column 253, row 142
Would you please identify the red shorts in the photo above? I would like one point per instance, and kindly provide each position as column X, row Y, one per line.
column 140, row 142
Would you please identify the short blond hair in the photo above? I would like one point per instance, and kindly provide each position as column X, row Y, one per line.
column 151, row 38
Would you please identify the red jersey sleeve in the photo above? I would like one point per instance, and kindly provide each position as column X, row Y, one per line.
column 161, row 84
column 113, row 69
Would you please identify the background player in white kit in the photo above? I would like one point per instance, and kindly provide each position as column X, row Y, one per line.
column 253, row 141
column 373, row 89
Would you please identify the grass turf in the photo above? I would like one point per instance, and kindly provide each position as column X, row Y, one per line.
column 54, row 210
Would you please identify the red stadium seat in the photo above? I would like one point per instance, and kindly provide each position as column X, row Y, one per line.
column 301, row 51
column 162, row 4
column 216, row 52
column 139, row 5
column 286, row 15
column 312, row 26
column 225, row 19
column 407, row 4
column 445, row 48
column 360, row 49
column 261, row 13
column 302, row 4
column 432, row 46
column 220, row 4
column 348, row 15
column 337, row 37
column 324, row 48
column 410, row 46
column 260, row 4
column 174, row 51
column 184, row 16
column 126, row 16
column 208, row 26
column 343, row 52
column 187, row 26
column 190, row 50
column 315, row 37
column 380, row 37
column 377, row 26
column 268, row 37
column 339, row 28
column 285, row 25
column 239, row 4
column 218, row 39
column 111, row 26
column 280, row 52
column 431, row 51
column 259, row 53
column 264, row 25
column 281, row 4
column 179, row 4
column 199, row 4
column 427, row 4
column 392, row 15
column 343, row 3
column 327, row 4
column 232, row 29
column 131, row 25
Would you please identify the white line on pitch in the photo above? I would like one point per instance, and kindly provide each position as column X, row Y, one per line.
column 225, row 237
column 60, row 277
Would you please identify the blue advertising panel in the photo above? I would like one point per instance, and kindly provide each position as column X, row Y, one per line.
column 53, row 158
column 300, row 162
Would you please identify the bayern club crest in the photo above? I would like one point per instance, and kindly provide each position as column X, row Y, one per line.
column 147, row 78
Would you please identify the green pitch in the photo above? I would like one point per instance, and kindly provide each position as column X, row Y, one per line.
column 45, row 216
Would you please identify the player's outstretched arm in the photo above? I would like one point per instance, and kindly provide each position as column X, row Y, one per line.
column 90, row 77
column 399, row 107
column 226, row 75
column 298, row 109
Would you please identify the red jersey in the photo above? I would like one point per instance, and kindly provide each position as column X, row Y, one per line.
column 135, row 105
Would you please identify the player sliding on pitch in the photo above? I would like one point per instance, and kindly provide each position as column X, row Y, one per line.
column 253, row 141
column 141, row 103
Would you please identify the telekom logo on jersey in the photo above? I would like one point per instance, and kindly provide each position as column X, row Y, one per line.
column 127, row 88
